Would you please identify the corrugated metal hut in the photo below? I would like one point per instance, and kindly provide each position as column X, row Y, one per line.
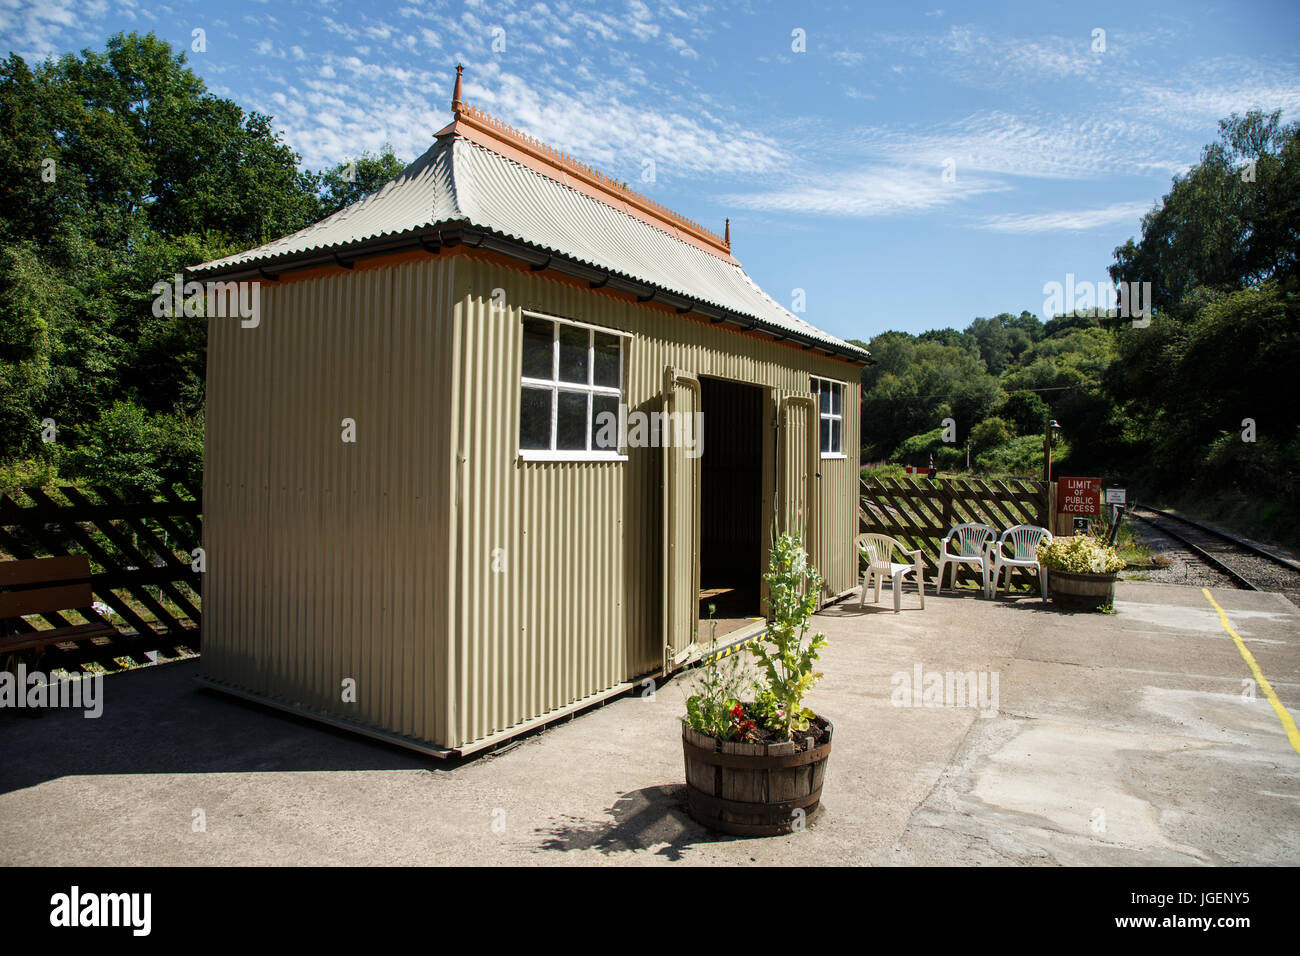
column 418, row 523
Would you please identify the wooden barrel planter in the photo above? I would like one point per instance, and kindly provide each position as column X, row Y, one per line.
column 1085, row 592
column 753, row 789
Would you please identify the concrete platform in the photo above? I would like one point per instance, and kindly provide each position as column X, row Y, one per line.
column 1121, row 739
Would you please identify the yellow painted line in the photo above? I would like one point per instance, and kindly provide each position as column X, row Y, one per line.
column 1288, row 724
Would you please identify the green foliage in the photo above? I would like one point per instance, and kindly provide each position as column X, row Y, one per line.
column 1019, row 456
column 918, row 448
column 915, row 385
column 1003, row 338
column 991, row 432
column 349, row 182
column 129, row 448
column 718, row 686
column 118, row 169
column 786, row 652
column 1024, row 411
column 1220, row 228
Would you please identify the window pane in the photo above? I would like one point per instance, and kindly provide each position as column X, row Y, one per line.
column 573, row 355
column 604, row 423
column 837, row 444
column 826, row 436
column 837, row 399
column 535, row 418
column 538, row 349
column 571, row 422
column 812, row 385
column 606, row 370
column 826, row 399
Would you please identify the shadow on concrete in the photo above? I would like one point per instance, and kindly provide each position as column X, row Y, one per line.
column 886, row 606
column 158, row 720
column 651, row 818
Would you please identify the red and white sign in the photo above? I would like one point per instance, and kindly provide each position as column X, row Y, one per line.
column 1078, row 496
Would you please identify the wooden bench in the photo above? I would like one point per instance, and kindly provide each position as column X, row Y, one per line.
column 47, row 586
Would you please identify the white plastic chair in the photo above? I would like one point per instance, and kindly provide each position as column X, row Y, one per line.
column 1024, row 540
column 973, row 542
column 878, row 549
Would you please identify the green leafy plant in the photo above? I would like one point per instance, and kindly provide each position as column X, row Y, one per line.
column 718, row 685
column 768, row 710
column 1079, row 554
column 785, row 654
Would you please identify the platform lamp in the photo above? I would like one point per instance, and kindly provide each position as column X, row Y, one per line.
column 1051, row 435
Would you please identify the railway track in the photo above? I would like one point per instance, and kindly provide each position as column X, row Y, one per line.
column 1248, row 566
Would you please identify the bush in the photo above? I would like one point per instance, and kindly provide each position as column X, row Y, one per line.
column 991, row 433
column 1020, row 456
column 128, row 448
column 1024, row 411
column 918, row 449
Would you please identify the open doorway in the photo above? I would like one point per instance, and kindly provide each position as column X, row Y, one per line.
column 731, row 504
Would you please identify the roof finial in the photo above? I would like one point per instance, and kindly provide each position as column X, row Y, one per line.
column 455, row 94
column 727, row 236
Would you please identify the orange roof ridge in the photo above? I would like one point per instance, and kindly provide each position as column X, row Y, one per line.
column 471, row 117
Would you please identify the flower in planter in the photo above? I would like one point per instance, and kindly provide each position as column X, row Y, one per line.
column 714, row 707
column 787, row 651
column 1079, row 554
column 727, row 700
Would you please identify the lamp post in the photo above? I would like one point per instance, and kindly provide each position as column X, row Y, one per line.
column 1051, row 435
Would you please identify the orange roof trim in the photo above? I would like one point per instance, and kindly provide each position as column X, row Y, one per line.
column 488, row 131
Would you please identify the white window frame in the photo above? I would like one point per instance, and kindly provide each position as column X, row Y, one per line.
column 830, row 416
column 556, row 386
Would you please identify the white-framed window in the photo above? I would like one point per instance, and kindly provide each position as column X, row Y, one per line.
column 830, row 406
column 570, row 384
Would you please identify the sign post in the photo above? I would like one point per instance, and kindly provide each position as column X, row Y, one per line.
column 1117, row 498
column 1076, row 497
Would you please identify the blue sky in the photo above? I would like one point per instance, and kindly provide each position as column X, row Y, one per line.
column 829, row 160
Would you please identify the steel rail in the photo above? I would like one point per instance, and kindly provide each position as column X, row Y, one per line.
column 1200, row 552
column 1224, row 535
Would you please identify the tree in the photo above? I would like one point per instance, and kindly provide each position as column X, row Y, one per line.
column 915, row 385
column 1232, row 220
column 991, row 433
column 1024, row 411
column 348, row 182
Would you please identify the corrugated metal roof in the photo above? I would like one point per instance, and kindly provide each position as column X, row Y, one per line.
column 459, row 181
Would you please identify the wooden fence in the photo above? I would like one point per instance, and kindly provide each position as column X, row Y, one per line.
column 921, row 511
column 142, row 554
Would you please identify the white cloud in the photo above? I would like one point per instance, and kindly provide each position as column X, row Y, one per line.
column 682, row 47
column 874, row 191
column 1069, row 221
column 35, row 30
column 1046, row 146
